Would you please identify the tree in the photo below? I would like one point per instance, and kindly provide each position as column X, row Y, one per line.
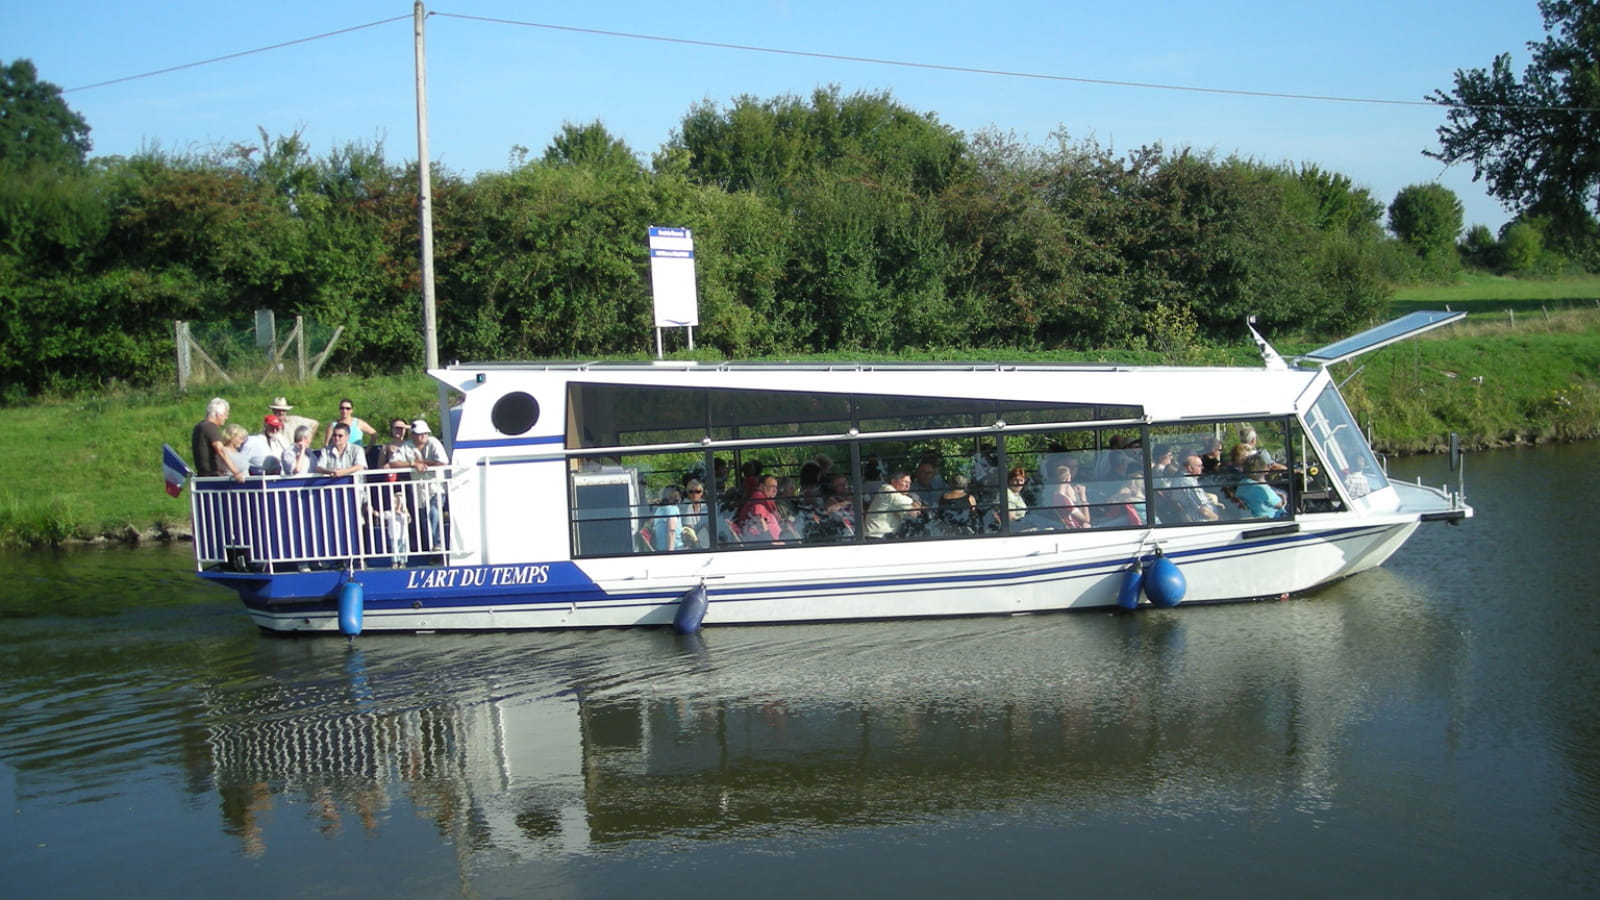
column 1536, row 140
column 1427, row 217
column 36, row 125
column 773, row 145
column 593, row 146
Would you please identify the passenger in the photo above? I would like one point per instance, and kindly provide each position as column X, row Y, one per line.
column 1260, row 499
column 1108, row 463
column 207, row 445
column 668, row 522
column 810, row 493
column 787, row 505
column 1247, row 438
column 927, row 485
column 263, row 452
column 757, row 520
column 342, row 457
column 280, row 407
column 1162, row 463
column 892, row 508
column 837, row 517
column 1016, row 506
column 1071, row 499
column 1192, row 501
column 957, row 510
column 356, row 428
column 233, row 438
column 1211, row 454
column 424, row 454
column 750, row 478
column 1122, row 510
column 299, row 458
column 695, row 515
column 398, row 430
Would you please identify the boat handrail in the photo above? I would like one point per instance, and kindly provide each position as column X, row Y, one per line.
column 376, row 517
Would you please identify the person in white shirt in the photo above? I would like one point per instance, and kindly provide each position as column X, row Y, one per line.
column 263, row 452
column 423, row 454
column 297, row 460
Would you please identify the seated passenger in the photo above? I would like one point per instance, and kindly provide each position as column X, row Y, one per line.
column 1192, row 501
column 695, row 515
column 836, row 517
column 1260, row 500
column 926, row 484
column 1247, row 438
column 667, row 524
column 892, row 508
column 1071, row 501
column 957, row 511
column 757, row 520
column 1121, row 510
column 1016, row 507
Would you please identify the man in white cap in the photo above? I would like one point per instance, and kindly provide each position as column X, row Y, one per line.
column 422, row 454
column 280, row 407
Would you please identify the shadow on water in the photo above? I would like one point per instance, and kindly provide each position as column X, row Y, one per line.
column 1378, row 734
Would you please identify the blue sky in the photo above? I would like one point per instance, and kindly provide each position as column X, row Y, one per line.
column 493, row 86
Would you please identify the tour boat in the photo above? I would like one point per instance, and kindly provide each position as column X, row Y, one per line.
column 566, row 501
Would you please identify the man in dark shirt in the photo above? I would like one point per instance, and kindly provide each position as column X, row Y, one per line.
column 206, row 443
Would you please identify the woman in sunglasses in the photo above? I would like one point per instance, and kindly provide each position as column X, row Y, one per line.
column 359, row 428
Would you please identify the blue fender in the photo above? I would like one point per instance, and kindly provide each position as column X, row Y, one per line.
column 691, row 610
column 352, row 597
column 1128, row 593
column 1165, row 584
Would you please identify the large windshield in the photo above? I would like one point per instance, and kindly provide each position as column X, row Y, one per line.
column 1342, row 447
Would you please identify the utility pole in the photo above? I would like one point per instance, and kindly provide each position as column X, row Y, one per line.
column 430, row 336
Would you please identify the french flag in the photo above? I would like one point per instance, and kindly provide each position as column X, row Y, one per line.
column 174, row 468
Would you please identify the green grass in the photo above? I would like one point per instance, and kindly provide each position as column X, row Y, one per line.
column 1490, row 296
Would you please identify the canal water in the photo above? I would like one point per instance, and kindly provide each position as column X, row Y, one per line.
column 1428, row 729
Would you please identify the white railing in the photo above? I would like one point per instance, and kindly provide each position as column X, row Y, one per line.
column 273, row 524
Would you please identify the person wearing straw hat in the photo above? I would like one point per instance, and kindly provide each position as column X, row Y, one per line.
column 280, row 407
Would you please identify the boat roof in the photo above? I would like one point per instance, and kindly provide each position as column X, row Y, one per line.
column 1165, row 392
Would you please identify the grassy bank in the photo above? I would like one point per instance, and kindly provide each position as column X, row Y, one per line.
column 89, row 468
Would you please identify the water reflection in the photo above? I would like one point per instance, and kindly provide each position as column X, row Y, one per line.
column 541, row 744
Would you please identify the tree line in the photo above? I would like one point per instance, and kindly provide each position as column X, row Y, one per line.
column 823, row 223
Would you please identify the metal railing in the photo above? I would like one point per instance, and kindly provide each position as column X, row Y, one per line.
column 378, row 518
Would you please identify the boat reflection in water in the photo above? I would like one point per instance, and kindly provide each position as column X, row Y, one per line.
column 544, row 744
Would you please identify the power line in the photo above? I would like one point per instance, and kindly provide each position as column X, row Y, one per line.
column 217, row 59
column 969, row 70
column 839, row 57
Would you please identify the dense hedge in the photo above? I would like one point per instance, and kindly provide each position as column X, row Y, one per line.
column 822, row 223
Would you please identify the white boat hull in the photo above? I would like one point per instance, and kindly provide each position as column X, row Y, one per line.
column 1001, row 576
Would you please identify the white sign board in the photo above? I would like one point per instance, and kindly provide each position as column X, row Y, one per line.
column 672, row 277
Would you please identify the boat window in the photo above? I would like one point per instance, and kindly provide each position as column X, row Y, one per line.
column 515, row 413
column 620, row 415
column 796, row 493
column 1342, row 447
